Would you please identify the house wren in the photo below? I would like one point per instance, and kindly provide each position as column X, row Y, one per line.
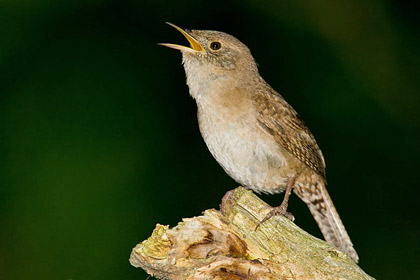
column 253, row 133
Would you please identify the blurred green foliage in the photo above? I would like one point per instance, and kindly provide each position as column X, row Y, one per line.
column 99, row 139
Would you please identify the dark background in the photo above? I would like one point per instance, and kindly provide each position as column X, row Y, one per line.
column 99, row 138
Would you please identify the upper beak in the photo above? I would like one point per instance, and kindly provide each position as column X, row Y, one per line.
column 195, row 45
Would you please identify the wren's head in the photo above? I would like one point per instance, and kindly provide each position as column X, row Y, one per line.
column 214, row 58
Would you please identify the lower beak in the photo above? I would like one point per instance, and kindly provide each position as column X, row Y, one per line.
column 195, row 45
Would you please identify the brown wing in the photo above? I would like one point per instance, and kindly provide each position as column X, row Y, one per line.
column 280, row 120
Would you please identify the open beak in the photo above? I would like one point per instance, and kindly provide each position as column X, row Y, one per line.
column 195, row 45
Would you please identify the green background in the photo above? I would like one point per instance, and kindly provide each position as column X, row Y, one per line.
column 99, row 138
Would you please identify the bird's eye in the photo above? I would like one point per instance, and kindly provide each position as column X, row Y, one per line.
column 215, row 46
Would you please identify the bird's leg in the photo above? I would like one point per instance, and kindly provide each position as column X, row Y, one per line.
column 282, row 209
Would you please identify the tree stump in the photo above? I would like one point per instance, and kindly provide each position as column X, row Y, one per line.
column 216, row 246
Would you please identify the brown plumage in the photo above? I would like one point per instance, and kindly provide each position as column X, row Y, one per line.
column 279, row 119
column 253, row 133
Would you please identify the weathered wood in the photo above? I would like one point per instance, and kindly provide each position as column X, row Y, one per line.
column 216, row 246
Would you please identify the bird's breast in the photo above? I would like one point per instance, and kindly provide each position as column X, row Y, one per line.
column 244, row 151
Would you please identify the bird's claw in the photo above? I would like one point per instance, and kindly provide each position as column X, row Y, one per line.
column 280, row 210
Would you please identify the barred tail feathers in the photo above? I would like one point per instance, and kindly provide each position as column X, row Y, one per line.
column 316, row 197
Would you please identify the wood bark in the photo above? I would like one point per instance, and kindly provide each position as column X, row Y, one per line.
column 217, row 246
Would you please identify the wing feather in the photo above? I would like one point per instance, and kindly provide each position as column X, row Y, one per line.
column 280, row 120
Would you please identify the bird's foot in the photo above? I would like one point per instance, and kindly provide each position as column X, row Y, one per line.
column 280, row 210
column 227, row 198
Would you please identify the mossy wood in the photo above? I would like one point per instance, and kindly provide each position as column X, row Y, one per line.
column 216, row 246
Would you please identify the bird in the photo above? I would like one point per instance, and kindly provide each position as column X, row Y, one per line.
column 253, row 133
